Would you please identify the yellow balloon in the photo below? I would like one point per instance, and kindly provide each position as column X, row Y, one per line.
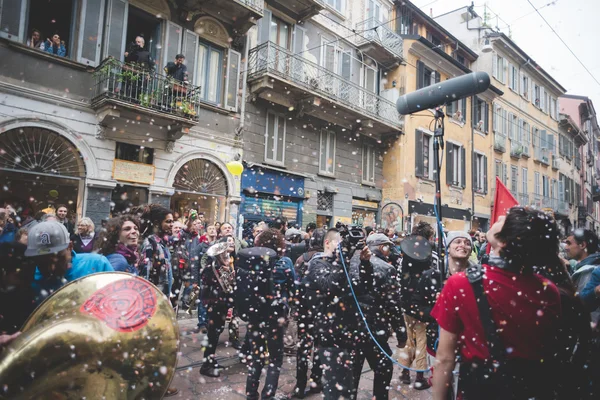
column 53, row 193
column 235, row 167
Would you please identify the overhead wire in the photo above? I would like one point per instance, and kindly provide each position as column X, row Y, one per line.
column 563, row 42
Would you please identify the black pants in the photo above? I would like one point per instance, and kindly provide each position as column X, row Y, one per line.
column 263, row 338
column 381, row 365
column 338, row 377
column 307, row 345
column 217, row 313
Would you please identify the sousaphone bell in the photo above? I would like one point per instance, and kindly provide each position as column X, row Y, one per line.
column 109, row 335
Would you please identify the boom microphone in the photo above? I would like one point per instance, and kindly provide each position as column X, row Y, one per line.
column 443, row 93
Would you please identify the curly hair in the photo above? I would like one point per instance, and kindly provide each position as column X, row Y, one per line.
column 524, row 231
column 109, row 238
column 272, row 239
column 151, row 216
column 423, row 229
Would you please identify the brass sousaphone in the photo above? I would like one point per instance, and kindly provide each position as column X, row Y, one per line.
column 109, row 335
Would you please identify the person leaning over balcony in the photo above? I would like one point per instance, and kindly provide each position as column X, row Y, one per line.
column 177, row 70
column 36, row 41
column 137, row 55
column 55, row 46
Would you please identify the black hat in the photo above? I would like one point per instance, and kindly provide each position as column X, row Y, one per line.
column 255, row 258
column 416, row 248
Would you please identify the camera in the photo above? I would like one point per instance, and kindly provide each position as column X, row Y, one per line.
column 353, row 237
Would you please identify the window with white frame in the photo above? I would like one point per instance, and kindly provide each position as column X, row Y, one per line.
column 368, row 164
column 337, row 5
column 513, row 77
column 514, row 179
column 457, row 110
column 525, row 86
column 553, row 107
column 481, row 115
column 480, row 182
column 524, row 183
column 455, row 165
column 275, row 139
column 537, row 95
column 423, row 155
column 536, row 183
column 499, row 68
column 327, row 152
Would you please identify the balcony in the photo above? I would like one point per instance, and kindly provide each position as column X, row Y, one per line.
column 290, row 80
column 549, row 202
column 122, row 91
column 299, row 10
column 523, row 199
column 563, row 207
column 379, row 42
column 243, row 13
column 555, row 162
column 526, row 151
column 542, row 155
column 595, row 192
column 516, row 150
column 578, row 161
column 499, row 143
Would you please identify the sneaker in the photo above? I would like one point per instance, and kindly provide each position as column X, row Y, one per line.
column 200, row 329
column 422, row 384
column 171, row 392
column 210, row 371
column 236, row 344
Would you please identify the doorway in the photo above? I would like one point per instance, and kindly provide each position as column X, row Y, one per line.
column 142, row 23
column 52, row 17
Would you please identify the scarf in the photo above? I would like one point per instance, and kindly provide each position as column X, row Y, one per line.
column 87, row 239
column 129, row 252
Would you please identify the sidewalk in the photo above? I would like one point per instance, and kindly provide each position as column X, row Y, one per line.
column 232, row 383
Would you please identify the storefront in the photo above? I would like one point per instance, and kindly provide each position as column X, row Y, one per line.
column 201, row 185
column 268, row 194
column 40, row 169
column 364, row 213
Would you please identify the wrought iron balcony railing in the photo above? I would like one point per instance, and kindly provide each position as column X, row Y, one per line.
column 269, row 58
column 541, row 154
column 563, row 207
column 499, row 142
column 516, row 149
column 523, row 199
column 257, row 5
column 372, row 30
column 554, row 162
column 130, row 85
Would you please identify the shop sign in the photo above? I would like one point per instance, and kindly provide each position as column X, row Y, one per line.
column 365, row 204
column 129, row 171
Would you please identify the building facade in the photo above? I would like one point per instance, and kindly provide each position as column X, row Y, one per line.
column 81, row 128
column 319, row 113
column 525, row 119
column 581, row 112
column 434, row 55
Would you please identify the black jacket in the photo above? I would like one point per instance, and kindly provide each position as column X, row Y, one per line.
column 140, row 57
column 325, row 287
column 177, row 72
column 380, row 296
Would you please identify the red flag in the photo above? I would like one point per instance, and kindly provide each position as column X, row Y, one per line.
column 503, row 201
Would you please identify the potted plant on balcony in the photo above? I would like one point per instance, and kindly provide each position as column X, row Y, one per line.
column 185, row 108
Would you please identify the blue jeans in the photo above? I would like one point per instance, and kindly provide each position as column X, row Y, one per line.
column 202, row 312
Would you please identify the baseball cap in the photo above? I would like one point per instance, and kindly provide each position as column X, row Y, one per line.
column 290, row 233
column 49, row 237
column 377, row 239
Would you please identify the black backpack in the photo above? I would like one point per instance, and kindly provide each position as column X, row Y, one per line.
column 254, row 282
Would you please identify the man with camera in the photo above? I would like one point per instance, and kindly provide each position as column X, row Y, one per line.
column 380, row 303
column 335, row 315
column 177, row 70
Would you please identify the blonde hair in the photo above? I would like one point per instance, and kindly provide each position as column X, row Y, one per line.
column 88, row 222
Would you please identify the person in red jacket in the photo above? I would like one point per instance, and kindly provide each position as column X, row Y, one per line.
column 524, row 307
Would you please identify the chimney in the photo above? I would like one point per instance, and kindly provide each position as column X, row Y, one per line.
column 431, row 12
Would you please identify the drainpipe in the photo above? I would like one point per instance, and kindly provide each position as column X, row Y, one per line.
column 473, row 160
column 244, row 86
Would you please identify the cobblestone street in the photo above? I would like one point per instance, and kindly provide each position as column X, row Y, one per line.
column 231, row 384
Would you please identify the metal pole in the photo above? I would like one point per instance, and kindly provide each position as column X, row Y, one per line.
column 438, row 144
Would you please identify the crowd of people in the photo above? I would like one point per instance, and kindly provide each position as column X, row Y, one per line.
column 515, row 316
